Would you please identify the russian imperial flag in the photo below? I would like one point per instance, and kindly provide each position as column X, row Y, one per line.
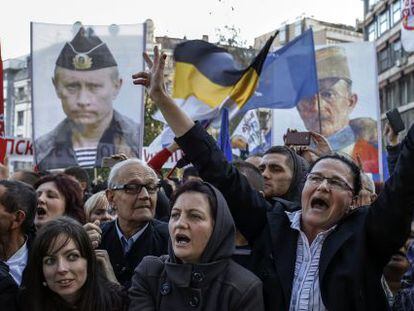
column 207, row 78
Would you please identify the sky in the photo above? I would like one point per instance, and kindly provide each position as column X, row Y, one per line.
column 173, row 18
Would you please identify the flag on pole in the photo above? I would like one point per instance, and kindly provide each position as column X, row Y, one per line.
column 224, row 136
column 407, row 26
column 207, row 78
column 289, row 74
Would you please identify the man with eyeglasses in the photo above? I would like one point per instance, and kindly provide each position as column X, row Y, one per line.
column 132, row 192
column 323, row 256
column 337, row 101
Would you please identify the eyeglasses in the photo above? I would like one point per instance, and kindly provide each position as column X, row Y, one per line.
column 333, row 183
column 136, row 188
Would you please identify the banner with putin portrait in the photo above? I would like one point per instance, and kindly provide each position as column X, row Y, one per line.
column 347, row 111
column 84, row 104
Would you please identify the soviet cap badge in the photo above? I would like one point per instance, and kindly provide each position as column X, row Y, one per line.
column 82, row 61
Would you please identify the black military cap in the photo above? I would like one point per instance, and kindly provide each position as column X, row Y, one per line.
column 85, row 52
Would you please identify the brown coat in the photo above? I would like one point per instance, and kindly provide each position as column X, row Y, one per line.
column 216, row 283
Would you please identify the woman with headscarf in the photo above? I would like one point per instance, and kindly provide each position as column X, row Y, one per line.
column 198, row 273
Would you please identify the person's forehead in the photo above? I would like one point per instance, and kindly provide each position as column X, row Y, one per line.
column 192, row 200
column 48, row 186
column 92, row 76
column 333, row 168
column 136, row 171
column 275, row 158
column 332, row 83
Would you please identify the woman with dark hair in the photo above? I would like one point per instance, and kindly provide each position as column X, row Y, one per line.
column 58, row 195
column 62, row 272
column 198, row 272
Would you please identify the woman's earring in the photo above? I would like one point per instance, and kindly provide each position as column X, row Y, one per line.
column 44, row 284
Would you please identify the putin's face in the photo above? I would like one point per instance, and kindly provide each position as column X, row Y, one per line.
column 336, row 104
column 87, row 95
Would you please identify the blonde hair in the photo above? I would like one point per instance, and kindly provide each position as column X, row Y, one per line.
column 98, row 200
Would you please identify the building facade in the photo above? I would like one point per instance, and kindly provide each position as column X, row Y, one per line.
column 324, row 33
column 382, row 25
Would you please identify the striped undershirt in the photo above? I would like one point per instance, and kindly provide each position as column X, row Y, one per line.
column 85, row 157
column 306, row 293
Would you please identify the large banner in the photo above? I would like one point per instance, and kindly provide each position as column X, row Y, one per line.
column 349, row 104
column 85, row 106
column 407, row 25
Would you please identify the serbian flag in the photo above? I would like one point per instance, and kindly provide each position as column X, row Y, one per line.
column 407, row 25
column 207, row 78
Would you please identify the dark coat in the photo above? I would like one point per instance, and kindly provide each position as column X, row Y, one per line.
column 54, row 149
column 393, row 153
column 353, row 255
column 8, row 289
column 215, row 283
column 153, row 241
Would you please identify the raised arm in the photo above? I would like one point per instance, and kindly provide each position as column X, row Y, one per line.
column 248, row 207
column 153, row 80
column 389, row 217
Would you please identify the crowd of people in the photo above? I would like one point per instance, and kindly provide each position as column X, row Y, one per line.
column 296, row 228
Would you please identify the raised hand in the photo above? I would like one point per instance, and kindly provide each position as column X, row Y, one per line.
column 153, row 79
column 322, row 145
column 390, row 136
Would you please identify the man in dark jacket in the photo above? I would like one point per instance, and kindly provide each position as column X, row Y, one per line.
column 17, row 212
column 325, row 256
column 132, row 192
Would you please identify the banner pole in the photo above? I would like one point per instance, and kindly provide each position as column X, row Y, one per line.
column 319, row 114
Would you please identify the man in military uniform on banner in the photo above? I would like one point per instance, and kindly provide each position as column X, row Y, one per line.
column 356, row 137
column 87, row 81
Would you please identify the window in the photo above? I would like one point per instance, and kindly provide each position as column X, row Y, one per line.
column 20, row 118
column 371, row 32
column 383, row 22
column 396, row 52
column 20, row 93
column 298, row 28
column 282, row 35
column 383, row 60
column 396, row 12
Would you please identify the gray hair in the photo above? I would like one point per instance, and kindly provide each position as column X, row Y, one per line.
column 114, row 174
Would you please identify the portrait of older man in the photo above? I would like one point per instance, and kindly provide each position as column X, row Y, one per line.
column 337, row 100
column 87, row 81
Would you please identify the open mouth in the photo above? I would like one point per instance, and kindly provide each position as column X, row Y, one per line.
column 319, row 203
column 65, row 282
column 40, row 211
column 182, row 239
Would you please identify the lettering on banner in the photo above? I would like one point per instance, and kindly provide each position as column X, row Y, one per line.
column 18, row 146
column 29, row 148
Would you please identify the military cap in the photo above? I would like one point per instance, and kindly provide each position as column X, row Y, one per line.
column 85, row 52
column 331, row 62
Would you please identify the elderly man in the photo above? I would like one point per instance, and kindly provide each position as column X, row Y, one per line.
column 87, row 81
column 17, row 211
column 325, row 256
column 355, row 137
column 132, row 192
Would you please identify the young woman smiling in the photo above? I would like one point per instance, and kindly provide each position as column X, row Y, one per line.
column 62, row 272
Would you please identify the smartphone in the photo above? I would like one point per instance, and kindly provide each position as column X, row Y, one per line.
column 298, row 138
column 109, row 161
column 394, row 118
